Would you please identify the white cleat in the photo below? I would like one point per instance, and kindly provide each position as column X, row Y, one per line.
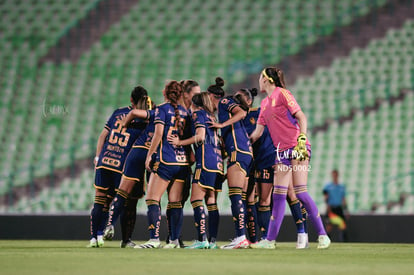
column 323, row 242
column 302, row 241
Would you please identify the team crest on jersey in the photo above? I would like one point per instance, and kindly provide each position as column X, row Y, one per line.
column 252, row 120
column 224, row 101
column 194, row 116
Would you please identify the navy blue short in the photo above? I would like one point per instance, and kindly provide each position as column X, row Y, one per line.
column 171, row 172
column 134, row 168
column 264, row 175
column 208, row 180
column 244, row 161
column 107, row 180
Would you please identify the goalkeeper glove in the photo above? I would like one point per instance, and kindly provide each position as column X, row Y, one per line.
column 300, row 148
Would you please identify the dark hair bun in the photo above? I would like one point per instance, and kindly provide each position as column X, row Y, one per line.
column 253, row 92
column 219, row 81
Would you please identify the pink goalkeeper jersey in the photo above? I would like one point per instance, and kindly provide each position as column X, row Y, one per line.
column 277, row 114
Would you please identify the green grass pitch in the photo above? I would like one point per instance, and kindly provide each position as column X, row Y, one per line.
column 72, row 257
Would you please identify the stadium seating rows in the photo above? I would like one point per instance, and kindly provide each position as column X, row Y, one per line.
column 378, row 71
column 150, row 45
column 198, row 40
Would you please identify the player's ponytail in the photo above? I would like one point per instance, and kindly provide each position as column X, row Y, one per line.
column 241, row 100
column 137, row 96
column 274, row 76
column 217, row 89
column 173, row 92
column 241, row 95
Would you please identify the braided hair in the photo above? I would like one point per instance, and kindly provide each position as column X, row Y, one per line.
column 173, row 91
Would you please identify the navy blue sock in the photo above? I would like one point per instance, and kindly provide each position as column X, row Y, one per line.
column 199, row 219
column 168, row 216
column 263, row 218
column 96, row 215
column 297, row 215
column 117, row 207
column 244, row 201
column 252, row 221
column 176, row 219
column 154, row 218
column 304, row 218
column 213, row 221
column 128, row 219
column 237, row 210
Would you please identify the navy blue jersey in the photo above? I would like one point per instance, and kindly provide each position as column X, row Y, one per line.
column 144, row 140
column 208, row 153
column 235, row 136
column 264, row 152
column 119, row 141
column 168, row 153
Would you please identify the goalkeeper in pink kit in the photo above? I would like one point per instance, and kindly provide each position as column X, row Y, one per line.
column 287, row 125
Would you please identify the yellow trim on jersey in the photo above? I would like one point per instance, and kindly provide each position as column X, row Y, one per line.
column 107, row 168
column 203, row 164
column 141, row 146
column 171, row 163
column 233, row 133
column 197, row 174
column 178, row 180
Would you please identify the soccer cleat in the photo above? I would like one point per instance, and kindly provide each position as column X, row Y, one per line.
column 100, row 241
column 264, row 244
column 238, row 243
column 152, row 243
column 128, row 244
column 212, row 246
column 323, row 242
column 92, row 243
column 199, row 245
column 109, row 232
column 172, row 244
column 302, row 241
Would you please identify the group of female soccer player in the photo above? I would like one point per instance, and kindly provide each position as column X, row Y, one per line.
column 161, row 141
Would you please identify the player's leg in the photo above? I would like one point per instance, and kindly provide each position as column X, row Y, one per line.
column 118, row 206
column 156, row 187
column 96, row 215
column 129, row 217
column 264, row 183
column 251, row 225
column 175, row 194
column 296, row 210
column 213, row 217
column 282, row 177
column 197, row 195
column 99, row 211
column 236, row 178
column 213, row 211
column 300, row 179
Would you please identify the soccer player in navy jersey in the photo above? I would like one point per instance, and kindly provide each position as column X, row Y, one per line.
column 190, row 88
column 132, row 186
column 170, row 167
column 238, row 149
column 264, row 155
column 113, row 146
column 209, row 167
